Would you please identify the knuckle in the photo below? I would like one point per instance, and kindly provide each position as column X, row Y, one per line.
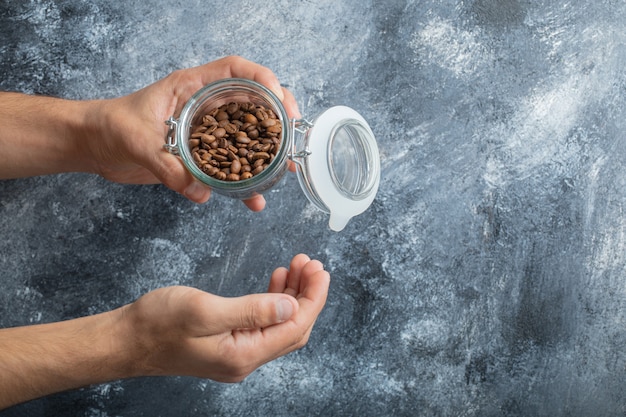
column 249, row 317
column 233, row 59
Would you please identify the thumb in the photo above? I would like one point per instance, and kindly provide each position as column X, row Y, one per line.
column 169, row 169
column 257, row 310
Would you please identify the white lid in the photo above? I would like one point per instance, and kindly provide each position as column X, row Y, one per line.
column 341, row 174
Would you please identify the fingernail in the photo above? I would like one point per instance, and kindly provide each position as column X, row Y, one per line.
column 196, row 192
column 284, row 310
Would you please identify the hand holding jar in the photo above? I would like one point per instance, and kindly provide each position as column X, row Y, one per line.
column 132, row 151
column 120, row 139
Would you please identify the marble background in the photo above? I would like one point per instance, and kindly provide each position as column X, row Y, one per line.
column 487, row 279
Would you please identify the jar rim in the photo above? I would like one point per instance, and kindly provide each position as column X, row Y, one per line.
column 221, row 92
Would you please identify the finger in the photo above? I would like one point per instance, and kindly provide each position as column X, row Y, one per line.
column 256, row 203
column 291, row 106
column 311, row 304
column 243, row 68
column 253, row 311
column 294, row 333
column 314, row 282
column 278, row 280
column 293, row 280
column 170, row 171
column 238, row 67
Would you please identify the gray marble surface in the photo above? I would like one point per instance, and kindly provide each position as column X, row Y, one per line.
column 487, row 279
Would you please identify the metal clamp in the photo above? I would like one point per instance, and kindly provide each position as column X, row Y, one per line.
column 170, row 140
column 300, row 126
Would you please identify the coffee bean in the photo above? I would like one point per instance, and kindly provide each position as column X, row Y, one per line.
column 208, row 120
column 235, row 166
column 243, row 138
column 232, row 108
column 220, row 157
column 257, row 170
column 221, row 115
column 208, row 139
column 231, row 128
column 219, row 133
column 268, row 122
column 260, row 155
column 250, row 118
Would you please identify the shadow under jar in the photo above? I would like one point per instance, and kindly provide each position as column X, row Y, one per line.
column 336, row 155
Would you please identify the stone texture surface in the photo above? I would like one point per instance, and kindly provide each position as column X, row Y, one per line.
column 487, row 279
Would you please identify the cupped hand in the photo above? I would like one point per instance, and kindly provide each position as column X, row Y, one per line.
column 133, row 127
column 185, row 331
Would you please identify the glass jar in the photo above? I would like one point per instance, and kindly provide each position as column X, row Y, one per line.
column 336, row 155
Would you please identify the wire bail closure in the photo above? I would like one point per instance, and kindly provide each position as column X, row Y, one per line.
column 299, row 126
column 171, row 144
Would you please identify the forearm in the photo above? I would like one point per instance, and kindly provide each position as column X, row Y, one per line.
column 44, row 135
column 43, row 359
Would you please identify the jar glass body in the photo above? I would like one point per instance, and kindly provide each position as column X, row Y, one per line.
column 215, row 95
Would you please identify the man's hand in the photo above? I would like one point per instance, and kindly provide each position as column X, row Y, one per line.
column 170, row 331
column 184, row 331
column 134, row 130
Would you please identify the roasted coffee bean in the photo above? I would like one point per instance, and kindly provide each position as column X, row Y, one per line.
column 243, row 138
column 235, row 141
column 232, row 155
column 210, row 170
column 257, row 170
column 250, row 118
column 232, row 108
column 231, row 128
column 260, row 155
column 208, row 139
column 219, row 133
column 253, row 134
column 274, row 129
column 235, row 166
column 221, row 115
column 268, row 122
column 220, row 157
